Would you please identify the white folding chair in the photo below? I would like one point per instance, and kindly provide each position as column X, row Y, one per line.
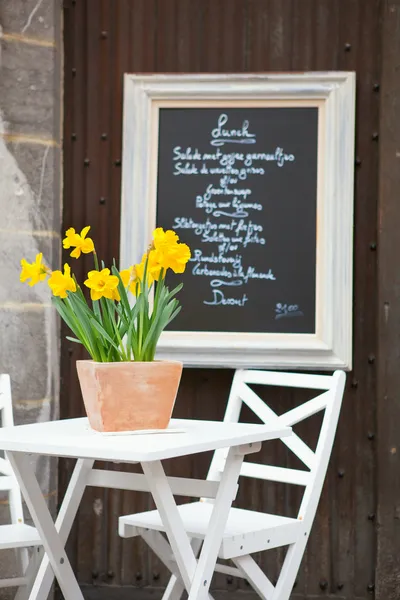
column 16, row 535
column 248, row 531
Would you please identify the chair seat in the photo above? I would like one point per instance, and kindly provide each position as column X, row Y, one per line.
column 246, row 531
column 18, row 536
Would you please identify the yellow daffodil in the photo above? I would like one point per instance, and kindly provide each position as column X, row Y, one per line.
column 174, row 257
column 134, row 275
column 169, row 253
column 102, row 284
column 164, row 253
column 153, row 266
column 130, row 279
column 127, row 276
column 78, row 241
column 35, row 271
column 153, row 271
column 163, row 239
column 60, row 283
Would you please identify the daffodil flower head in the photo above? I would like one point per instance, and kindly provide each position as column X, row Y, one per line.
column 60, row 283
column 102, row 284
column 168, row 252
column 130, row 279
column 35, row 271
column 78, row 241
column 153, row 270
column 127, row 276
column 163, row 239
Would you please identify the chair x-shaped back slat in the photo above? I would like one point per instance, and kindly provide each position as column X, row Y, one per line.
column 267, row 415
column 242, row 393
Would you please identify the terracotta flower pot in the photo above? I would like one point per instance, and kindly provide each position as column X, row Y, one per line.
column 129, row 396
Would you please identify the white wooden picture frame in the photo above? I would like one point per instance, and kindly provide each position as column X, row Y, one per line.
column 330, row 347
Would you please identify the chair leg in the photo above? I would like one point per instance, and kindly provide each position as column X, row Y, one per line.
column 175, row 587
column 260, row 582
column 290, row 569
column 23, row 559
column 24, row 591
column 255, row 576
column 160, row 546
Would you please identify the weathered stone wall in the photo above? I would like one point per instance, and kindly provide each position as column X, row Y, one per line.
column 30, row 214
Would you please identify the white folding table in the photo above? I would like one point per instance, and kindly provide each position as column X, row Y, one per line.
column 73, row 438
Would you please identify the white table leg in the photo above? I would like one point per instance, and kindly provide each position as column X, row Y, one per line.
column 41, row 516
column 64, row 522
column 196, row 576
column 157, row 542
column 219, row 516
column 174, row 528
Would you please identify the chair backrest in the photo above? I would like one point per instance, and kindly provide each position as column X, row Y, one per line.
column 330, row 400
column 8, row 482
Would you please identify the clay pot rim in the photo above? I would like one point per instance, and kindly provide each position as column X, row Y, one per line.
column 131, row 362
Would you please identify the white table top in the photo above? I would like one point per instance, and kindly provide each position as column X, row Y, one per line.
column 74, row 438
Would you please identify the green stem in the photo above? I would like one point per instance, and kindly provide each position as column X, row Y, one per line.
column 159, row 285
column 140, row 331
column 144, row 291
column 116, row 330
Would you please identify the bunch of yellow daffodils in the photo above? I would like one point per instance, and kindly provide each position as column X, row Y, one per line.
column 111, row 329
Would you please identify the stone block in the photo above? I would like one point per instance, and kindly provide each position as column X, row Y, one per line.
column 33, row 18
column 15, row 245
column 30, row 196
column 29, row 353
column 34, row 411
column 38, row 165
column 27, row 88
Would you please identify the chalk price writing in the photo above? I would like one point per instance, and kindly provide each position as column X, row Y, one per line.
column 287, row 310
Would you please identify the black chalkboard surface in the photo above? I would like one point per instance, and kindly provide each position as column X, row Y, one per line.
column 239, row 186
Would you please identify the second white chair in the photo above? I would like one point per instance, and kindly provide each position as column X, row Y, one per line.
column 248, row 531
column 17, row 534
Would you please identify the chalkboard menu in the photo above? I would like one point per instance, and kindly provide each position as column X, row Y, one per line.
column 255, row 172
column 239, row 186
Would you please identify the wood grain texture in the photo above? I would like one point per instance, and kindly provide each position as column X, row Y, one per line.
column 388, row 414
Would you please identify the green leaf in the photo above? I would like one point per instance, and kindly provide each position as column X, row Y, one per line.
column 96, row 310
column 174, row 291
column 172, row 317
column 68, row 316
column 83, row 314
column 122, row 291
column 116, row 331
column 106, row 318
column 104, row 333
column 71, row 339
column 160, row 320
column 63, row 311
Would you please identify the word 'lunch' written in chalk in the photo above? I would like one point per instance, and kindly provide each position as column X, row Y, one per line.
column 224, row 186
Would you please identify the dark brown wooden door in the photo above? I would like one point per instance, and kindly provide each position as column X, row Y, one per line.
column 105, row 39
